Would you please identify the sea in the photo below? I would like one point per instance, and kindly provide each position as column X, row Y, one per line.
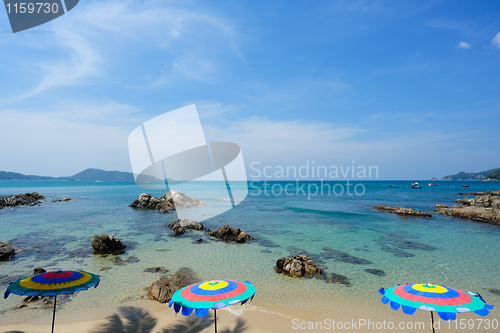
column 339, row 230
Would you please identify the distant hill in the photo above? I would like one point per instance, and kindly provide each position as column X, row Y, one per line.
column 89, row 174
column 5, row 175
column 86, row 175
column 494, row 175
column 101, row 175
column 472, row 176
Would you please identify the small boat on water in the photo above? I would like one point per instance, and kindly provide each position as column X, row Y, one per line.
column 431, row 184
column 465, row 185
column 392, row 185
column 416, row 185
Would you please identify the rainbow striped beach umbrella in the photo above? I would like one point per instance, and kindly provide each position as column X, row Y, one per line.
column 52, row 284
column 217, row 294
column 446, row 301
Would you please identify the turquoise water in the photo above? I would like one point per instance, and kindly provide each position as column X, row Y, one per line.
column 442, row 250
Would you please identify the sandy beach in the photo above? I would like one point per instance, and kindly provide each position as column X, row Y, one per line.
column 148, row 316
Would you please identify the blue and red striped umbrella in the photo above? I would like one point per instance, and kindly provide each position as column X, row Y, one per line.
column 207, row 295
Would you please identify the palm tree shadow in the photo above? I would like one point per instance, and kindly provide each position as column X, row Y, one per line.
column 196, row 325
column 129, row 320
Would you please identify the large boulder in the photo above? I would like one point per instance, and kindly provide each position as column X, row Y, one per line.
column 163, row 289
column 165, row 203
column 21, row 199
column 298, row 266
column 6, row 251
column 105, row 244
column 182, row 200
column 180, row 226
column 228, row 233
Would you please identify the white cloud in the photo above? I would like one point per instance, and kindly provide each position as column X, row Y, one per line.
column 463, row 45
column 91, row 41
column 496, row 41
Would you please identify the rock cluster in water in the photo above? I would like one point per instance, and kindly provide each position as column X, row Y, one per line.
column 21, row 200
column 180, row 226
column 105, row 244
column 298, row 266
column 483, row 208
column 228, row 233
column 6, row 251
column 402, row 211
column 163, row 289
column 165, row 203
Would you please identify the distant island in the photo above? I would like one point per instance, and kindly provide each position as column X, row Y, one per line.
column 86, row 175
column 493, row 174
column 89, row 175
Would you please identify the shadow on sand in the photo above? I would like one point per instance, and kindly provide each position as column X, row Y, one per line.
column 196, row 325
column 129, row 320
column 136, row 320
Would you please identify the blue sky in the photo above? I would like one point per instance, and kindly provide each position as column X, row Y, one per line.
column 411, row 89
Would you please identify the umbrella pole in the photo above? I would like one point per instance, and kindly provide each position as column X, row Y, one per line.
column 215, row 319
column 54, row 313
column 432, row 322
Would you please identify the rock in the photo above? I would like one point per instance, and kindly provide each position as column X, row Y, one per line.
column 161, row 270
column 298, row 266
column 163, row 289
column 199, row 240
column 180, row 225
column 39, row 270
column 228, row 234
column 441, row 206
column 66, row 199
column 490, row 193
column 165, row 203
column 105, row 244
column 402, row 211
column 377, row 272
column 182, row 200
column 21, row 200
column 6, row 251
column 482, row 208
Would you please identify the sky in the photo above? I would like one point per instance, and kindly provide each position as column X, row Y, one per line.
column 413, row 89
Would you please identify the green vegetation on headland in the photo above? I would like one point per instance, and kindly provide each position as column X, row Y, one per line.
column 475, row 175
column 89, row 175
column 495, row 175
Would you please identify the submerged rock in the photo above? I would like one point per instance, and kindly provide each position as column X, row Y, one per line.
column 161, row 270
column 228, row 233
column 402, row 211
column 21, row 200
column 377, row 272
column 343, row 257
column 337, row 278
column 6, row 251
column 105, row 244
column 483, row 208
column 163, row 289
column 298, row 266
column 165, row 203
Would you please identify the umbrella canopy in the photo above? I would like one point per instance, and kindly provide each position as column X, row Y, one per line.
column 53, row 284
column 447, row 302
column 207, row 295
